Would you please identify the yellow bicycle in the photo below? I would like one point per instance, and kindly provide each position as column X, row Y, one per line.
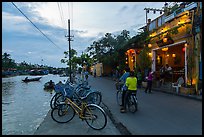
column 93, row 114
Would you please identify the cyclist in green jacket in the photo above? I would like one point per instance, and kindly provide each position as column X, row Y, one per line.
column 131, row 83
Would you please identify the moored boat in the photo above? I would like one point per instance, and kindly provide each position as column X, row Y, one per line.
column 31, row 79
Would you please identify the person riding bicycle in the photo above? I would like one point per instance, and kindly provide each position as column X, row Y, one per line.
column 122, row 81
column 131, row 83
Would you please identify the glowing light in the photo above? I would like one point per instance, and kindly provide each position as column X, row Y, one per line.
column 165, row 49
column 165, row 39
column 149, row 45
column 150, row 54
column 173, row 55
column 183, row 49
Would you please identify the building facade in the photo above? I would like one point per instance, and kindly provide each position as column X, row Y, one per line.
column 176, row 39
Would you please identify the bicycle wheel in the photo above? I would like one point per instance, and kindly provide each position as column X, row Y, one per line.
column 58, row 99
column 52, row 101
column 94, row 98
column 132, row 104
column 119, row 97
column 95, row 116
column 63, row 113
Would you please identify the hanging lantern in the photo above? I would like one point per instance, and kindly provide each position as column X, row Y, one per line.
column 173, row 55
column 183, row 49
column 126, row 62
column 149, row 45
column 185, row 44
column 165, row 40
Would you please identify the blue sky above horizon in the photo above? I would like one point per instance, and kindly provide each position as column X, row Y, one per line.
column 89, row 21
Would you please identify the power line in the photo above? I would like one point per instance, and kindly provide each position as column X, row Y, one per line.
column 35, row 26
column 61, row 16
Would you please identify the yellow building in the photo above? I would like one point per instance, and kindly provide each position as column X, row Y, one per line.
column 173, row 42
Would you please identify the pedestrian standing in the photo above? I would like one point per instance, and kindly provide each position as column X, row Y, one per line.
column 149, row 81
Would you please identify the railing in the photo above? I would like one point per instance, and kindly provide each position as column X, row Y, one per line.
column 190, row 6
column 169, row 17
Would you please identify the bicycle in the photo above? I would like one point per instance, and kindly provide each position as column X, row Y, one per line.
column 132, row 99
column 81, row 89
column 119, row 93
column 132, row 102
column 93, row 114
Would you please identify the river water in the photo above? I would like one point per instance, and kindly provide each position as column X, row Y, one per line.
column 25, row 105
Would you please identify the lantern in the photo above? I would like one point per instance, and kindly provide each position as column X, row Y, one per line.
column 149, row 45
column 173, row 55
column 165, row 39
column 183, row 49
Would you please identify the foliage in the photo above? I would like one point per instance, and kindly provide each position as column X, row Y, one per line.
column 145, row 61
column 109, row 50
column 7, row 62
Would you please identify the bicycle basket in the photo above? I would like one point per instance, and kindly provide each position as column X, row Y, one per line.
column 68, row 91
column 58, row 88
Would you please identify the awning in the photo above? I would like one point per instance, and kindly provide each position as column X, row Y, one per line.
column 177, row 43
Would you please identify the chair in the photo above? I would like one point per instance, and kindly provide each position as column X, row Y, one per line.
column 178, row 84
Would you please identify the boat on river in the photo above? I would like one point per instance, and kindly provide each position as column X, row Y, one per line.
column 31, row 79
column 49, row 85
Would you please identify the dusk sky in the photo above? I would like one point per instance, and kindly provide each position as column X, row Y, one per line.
column 89, row 21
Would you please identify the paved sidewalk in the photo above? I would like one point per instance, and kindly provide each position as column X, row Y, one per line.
column 75, row 127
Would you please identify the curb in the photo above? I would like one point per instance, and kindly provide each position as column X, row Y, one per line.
column 122, row 129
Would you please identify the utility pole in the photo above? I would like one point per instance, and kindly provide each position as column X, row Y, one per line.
column 69, row 39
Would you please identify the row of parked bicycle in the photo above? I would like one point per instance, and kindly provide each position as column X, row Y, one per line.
column 78, row 98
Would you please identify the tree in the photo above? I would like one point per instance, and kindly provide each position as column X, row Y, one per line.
column 144, row 60
column 7, row 62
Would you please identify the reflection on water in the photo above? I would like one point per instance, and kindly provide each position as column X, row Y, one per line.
column 24, row 105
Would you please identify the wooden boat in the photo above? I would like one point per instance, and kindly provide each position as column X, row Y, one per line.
column 31, row 79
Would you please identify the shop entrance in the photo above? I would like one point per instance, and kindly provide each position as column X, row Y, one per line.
column 174, row 56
